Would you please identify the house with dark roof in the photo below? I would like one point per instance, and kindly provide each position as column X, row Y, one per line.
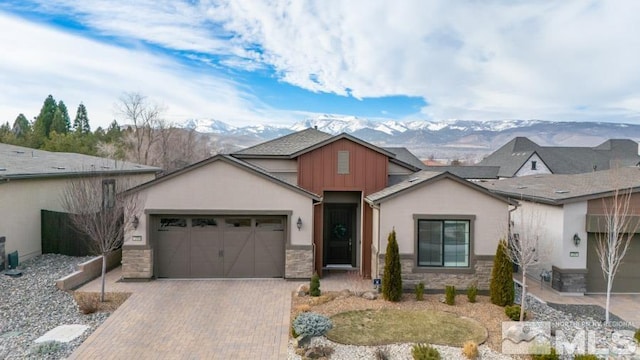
column 33, row 180
column 571, row 210
column 521, row 156
column 301, row 204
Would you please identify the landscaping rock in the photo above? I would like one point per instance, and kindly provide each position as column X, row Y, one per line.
column 344, row 294
column 369, row 295
column 302, row 290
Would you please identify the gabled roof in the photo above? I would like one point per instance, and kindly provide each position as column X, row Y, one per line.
column 301, row 142
column 558, row 189
column 17, row 162
column 468, row 171
column 563, row 160
column 403, row 154
column 229, row 160
column 423, row 178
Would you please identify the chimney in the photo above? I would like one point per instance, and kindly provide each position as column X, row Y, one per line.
column 315, row 127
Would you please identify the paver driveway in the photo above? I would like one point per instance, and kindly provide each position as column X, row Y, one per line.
column 196, row 319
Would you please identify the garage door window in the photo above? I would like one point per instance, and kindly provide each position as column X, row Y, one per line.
column 204, row 222
column 167, row 223
column 238, row 222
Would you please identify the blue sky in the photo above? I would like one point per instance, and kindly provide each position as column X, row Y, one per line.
column 278, row 62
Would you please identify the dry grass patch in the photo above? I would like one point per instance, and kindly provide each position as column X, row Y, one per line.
column 89, row 302
column 388, row 326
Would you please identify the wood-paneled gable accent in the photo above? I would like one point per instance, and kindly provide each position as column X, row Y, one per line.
column 596, row 206
column 368, row 173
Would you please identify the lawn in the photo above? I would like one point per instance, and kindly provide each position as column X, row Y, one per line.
column 388, row 326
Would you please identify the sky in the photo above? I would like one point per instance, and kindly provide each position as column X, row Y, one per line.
column 278, row 62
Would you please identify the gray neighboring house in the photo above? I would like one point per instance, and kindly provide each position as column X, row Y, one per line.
column 521, row 157
column 468, row 172
column 33, row 180
column 571, row 207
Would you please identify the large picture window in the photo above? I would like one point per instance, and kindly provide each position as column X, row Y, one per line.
column 443, row 243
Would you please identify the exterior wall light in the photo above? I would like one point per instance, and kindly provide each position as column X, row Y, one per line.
column 299, row 223
column 576, row 240
column 135, row 222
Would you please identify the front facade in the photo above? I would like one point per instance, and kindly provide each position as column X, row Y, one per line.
column 447, row 230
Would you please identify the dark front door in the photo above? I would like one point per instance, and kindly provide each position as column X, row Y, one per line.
column 339, row 234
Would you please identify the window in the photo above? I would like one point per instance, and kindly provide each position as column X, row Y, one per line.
column 443, row 243
column 343, row 162
column 534, row 165
column 173, row 223
column 108, row 193
column 203, row 222
column 237, row 222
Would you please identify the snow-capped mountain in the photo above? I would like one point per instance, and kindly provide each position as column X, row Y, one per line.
column 459, row 139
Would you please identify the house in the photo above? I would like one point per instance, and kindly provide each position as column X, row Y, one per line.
column 468, row 172
column 284, row 208
column 447, row 229
column 570, row 211
column 521, row 157
column 33, row 180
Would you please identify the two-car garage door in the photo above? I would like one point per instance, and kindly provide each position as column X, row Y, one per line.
column 203, row 246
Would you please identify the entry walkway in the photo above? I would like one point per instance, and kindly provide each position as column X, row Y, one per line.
column 625, row 306
column 194, row 319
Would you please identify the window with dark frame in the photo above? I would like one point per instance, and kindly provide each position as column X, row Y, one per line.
column 108, row 193
column 443, row 243
column 534, row 165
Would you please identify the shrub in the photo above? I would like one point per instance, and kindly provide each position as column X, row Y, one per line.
column 311, row 324
column 46, row 348
column 553, row 355
column 470, row 350
column 450, row 294
column 513, row 312
column 420, row 291
column 472, row 292
column 303, row 308
column 88, row 303
column 425, row 352
column 585, row 357
column 501, row 288
column 392, row 278
column 637, row 336
column 314, row 288
column 381, row 354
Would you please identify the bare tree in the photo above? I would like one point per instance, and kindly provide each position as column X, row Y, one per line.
column 165, row 132
column 96, row 207
column 143, row 117
column 527, row 248
column 614, row 236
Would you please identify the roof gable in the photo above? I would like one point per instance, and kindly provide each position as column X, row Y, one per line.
column 285, row 146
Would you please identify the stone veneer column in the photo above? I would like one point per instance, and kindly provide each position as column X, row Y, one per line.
column 137, row 263
column 569, row 280
column 298, row 262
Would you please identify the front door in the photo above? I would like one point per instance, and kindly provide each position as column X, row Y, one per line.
column 339, row 234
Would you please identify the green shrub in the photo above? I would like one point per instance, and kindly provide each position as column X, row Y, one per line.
column 392, row 278
column 311, row 324
column 637, row 336
column 472, row 292
column 420, row 291
column 425, row 352
column 513, row 312
column 501, row 288
column 553, row 355
column 314, row 287
column 585, row 357
column 450, row 294
column 47, row 348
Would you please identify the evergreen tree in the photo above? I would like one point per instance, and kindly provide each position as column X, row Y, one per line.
column 58, row 124
column 65, row 115
column 42, row 125
column 392, row 278
column 5, row 132
column 114, row 133
column 501, row 288
column 81, row 122
column 21, row 126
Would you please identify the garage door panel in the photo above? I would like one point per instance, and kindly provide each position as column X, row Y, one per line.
column 627, row 279
column 205, row 254
column 269, row 253
column 239, row 252
column 173, row 254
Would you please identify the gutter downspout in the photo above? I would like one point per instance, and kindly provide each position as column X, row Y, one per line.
column 377, row 253
column 313, row 240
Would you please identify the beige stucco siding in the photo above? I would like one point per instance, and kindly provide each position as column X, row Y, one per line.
column 444, row 197
column 220, row 186
column 286, row 170
column 20, row 205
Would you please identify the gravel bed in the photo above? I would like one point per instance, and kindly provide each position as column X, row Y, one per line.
column 31, row 305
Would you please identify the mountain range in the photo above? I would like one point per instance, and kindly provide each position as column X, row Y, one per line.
column 466, row 140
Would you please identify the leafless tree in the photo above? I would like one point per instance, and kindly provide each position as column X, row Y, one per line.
column 165, row 132
column 616, row 229
column 96, row 208
column 142, row 116
column 527, row 247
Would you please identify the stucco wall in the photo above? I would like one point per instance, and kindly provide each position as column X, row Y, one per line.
column 221, row 186
column 541, row 167
column 444, row 197
column 574, row 223
column 20, row 205
column 286, row 170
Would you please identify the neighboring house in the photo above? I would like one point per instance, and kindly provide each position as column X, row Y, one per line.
column 468, row 172
column 447, row 229
column 33, row 180
column 310, row 201
column 521, row 157
column 570, row 209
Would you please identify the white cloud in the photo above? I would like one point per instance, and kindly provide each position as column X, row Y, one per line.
column 74, row 69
